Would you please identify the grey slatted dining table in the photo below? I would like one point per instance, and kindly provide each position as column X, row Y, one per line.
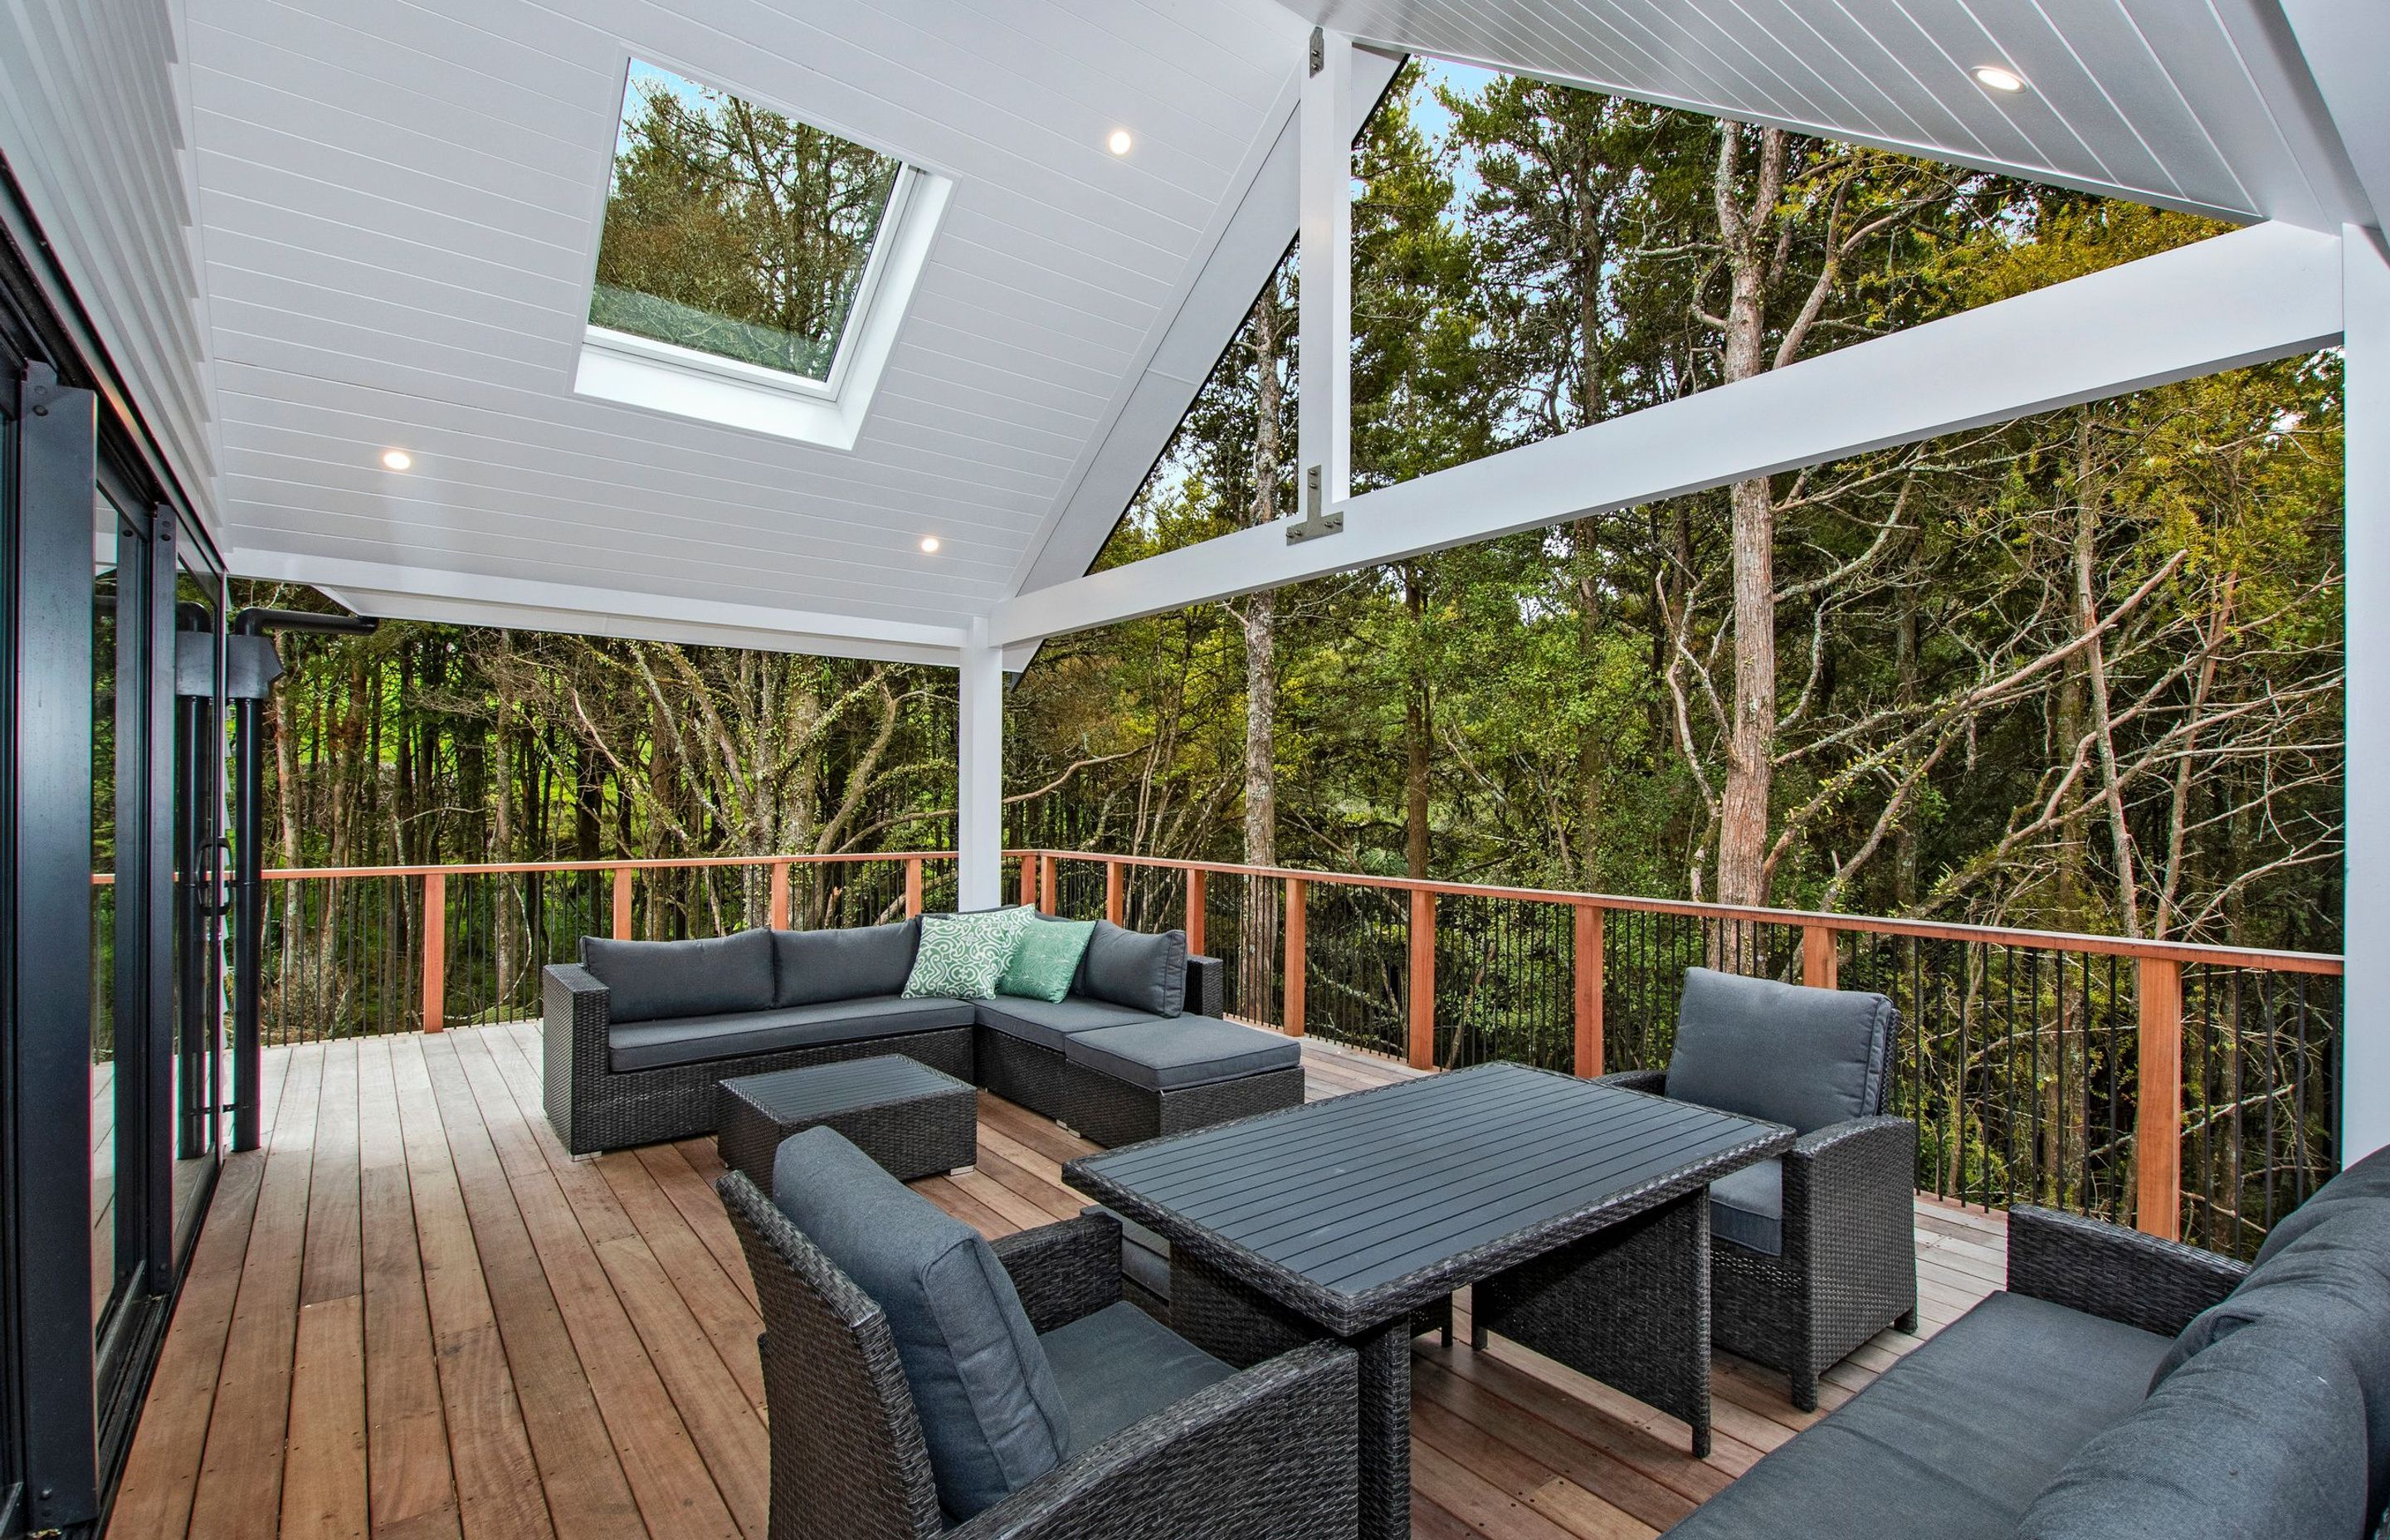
column 1351, row 1216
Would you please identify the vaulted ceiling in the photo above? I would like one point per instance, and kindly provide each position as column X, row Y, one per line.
column 398, row 205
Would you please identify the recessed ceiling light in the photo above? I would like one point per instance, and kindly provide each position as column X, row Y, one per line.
column 930, row 545
column 1120, row 142
column 397, row 459
column 1995, row 78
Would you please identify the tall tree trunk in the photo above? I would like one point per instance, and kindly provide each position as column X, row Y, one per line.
column 1259, row 949
column 2087, row 619
column 1750, row 747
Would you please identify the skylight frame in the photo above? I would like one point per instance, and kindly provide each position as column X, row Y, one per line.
column 629, row 369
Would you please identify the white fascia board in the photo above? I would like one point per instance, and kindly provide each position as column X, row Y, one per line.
column 473, row 598
column 2345, row 46
column 1240, row 251
column 2256, row 294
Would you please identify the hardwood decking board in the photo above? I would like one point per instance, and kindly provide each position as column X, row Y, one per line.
column 239, row 1491
column 530, row 1330
column 412, row 1489
column 499, row 1495
column 587, row 1491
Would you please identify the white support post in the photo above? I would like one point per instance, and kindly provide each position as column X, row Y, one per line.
column 978, row 802
column 2365, row 1020
column 1324, row 418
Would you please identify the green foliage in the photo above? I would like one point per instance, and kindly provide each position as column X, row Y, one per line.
column 734, row 230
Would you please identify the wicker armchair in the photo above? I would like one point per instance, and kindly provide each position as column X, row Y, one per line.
column 1847, row 1264
column 1272, row 1451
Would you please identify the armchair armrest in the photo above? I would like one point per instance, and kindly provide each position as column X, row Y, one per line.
column 2114, row 1273
column 1064, row 1270
column 1849, row 1186
column 1274, row 1451
column 1207, row 984
column 1653, row 1081
column 576, row 1010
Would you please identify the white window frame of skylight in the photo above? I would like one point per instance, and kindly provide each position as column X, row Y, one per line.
column 631, row 370
column 858, row 315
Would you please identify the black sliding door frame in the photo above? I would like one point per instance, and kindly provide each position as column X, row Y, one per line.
column 45, row 912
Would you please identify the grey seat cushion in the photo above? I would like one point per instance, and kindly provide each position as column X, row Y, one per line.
column 1955, row 1441
column 1129, row 968
column 1050, row 1023
column 1782, row 1052
column 1183, row 1051
column 696, row 1039
column 809, row 967
column 1121, row 1366
column 990, row 1412
column 650, row 980
column 1747, row 1207
column 2262, row 1433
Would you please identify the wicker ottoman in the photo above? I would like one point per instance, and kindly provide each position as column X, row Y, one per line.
column 913, row 1120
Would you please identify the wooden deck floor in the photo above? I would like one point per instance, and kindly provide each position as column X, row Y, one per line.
column 413, row 1316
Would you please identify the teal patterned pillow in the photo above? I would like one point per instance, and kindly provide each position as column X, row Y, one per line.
column 1048, row 958
column 962, row 956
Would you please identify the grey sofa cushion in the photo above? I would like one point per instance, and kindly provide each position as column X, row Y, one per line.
column 1121, row 1366
column 1783, row 1052
column 695, row 1039
column 1050, row 1023
column 1955, row 1441
column 647, row 980
column 1183, row 1051
column 1129, row 968
column 1747, row 1207
column 2263, row 1433
column 2365, row 1184
column 809, row 967
column 2331, row 1289
column 990, row 1412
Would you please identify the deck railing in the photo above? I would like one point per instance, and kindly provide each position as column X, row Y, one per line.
column 2190, row 1090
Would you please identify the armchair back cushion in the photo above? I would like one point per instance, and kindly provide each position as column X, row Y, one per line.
column 1130, row 968
column 1783, row 1052
column 2263, row 1433
column 811, row 968
column 649, row 980
column 991, row 1413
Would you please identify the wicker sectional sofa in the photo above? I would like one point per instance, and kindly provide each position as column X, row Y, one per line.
column 2122, row 1387
column 638, row 1035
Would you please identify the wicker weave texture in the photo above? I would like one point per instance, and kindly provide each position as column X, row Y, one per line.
column 1270, row 1453
column 2118, row 1275
column 909, row 1137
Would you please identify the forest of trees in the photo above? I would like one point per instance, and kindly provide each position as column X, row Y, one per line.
column 2082, row 671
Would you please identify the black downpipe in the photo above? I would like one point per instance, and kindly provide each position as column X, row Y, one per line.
column 251, row 676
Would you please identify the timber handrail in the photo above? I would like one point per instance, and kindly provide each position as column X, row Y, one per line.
column 1930, row 930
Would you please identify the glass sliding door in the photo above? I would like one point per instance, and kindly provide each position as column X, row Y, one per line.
column 197, row 1009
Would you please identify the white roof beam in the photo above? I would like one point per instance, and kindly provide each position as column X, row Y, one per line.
column 2243, row 298
column 2345, row 46
column 474, row 599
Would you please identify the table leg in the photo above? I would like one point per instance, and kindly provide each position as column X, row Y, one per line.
column 1629, row 1306
column 1231, row 1322
column 1385, row 1430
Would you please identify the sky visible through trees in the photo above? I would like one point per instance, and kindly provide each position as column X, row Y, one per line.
column 2080, row 672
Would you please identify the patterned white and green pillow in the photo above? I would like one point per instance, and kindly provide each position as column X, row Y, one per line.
column 964, row 957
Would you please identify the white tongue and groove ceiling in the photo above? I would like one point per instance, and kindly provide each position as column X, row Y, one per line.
column 2205, row 105
column 399, row 205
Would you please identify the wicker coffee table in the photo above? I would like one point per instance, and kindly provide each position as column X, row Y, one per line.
column 913, row 1120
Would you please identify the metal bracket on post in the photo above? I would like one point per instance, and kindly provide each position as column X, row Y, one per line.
column 1316, row 518
column 1318, row 49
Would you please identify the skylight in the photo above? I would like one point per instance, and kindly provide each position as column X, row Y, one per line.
column 744, row 250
